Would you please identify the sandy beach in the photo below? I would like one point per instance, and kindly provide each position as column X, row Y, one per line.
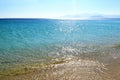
column 72, row 69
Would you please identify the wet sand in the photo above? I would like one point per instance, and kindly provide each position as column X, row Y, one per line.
column 73, row 69
column 113, row 69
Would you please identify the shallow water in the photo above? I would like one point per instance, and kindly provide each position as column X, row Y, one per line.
column 31, row 41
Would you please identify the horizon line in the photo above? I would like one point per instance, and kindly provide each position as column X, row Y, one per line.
column 58, row 18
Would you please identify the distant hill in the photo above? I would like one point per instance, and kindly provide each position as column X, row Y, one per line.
column 90, row 17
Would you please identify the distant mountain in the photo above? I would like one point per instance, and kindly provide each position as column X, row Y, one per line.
column 97, row 17
column 115, row 17
column 90, row 16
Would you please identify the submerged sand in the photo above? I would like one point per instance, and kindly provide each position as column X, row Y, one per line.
column 72, row 69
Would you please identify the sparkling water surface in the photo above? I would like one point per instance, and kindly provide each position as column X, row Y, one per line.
column 27, row 40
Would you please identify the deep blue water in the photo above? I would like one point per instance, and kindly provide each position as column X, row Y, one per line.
column 33, row 39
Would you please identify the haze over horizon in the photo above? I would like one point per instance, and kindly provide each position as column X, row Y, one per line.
column 58, row 8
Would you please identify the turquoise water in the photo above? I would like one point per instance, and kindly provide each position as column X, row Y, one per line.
column 27, row 40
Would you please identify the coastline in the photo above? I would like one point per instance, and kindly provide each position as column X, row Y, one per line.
column 70, row 69
column 59, row 50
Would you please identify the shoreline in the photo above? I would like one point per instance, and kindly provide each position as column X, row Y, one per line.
column 70, row 69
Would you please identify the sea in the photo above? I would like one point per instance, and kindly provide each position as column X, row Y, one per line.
column 25, row 41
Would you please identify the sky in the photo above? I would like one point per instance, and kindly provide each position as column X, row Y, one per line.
column 56, row 8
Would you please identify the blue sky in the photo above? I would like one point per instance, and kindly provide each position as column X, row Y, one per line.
column 56, row 8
